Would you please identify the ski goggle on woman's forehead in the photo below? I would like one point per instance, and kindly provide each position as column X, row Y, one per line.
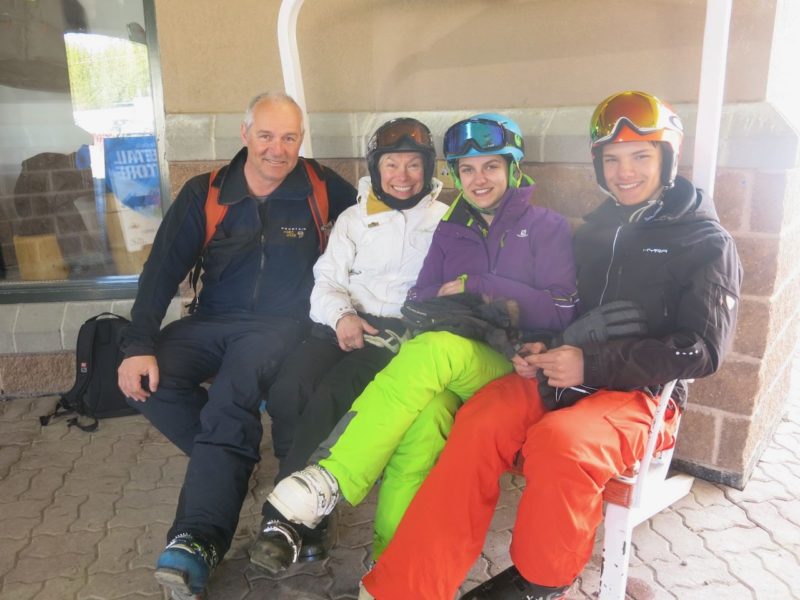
column 641, row 111
column 394, row 131
column 482, row 134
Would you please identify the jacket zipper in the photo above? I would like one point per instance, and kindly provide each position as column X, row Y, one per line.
column 610, row 263
column 500, row 246
column 262, row 260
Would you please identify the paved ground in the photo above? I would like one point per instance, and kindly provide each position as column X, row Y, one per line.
column 84, row 516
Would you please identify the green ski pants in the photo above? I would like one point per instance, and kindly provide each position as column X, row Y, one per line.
column 370, row 438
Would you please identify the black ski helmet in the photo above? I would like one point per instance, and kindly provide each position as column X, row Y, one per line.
column 401, row 135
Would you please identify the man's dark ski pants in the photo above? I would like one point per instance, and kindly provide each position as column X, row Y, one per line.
column 220, row 430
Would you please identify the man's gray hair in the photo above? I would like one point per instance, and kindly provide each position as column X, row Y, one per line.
column 275, row 98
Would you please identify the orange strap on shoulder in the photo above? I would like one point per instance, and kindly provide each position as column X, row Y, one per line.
column 318, row 201
column 215, row 211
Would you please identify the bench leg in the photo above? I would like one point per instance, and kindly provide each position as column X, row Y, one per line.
column 616, row 552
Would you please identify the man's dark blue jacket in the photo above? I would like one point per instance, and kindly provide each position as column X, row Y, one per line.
column 259, row 261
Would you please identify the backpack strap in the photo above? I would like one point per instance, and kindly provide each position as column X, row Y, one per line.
column 318, row 201
column 214, row 212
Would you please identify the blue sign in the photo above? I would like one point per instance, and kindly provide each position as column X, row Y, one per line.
column 132, row 172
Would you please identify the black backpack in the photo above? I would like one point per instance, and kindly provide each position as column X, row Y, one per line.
column 95, row 393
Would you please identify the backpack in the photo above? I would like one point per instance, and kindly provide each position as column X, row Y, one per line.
column 215, row 212
column 95, row 393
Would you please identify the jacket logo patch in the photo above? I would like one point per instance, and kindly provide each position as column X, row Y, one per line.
column 523, row 233
column 293, row 233
column 655, row 250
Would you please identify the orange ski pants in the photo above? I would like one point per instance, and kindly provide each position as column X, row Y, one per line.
column 570, row 454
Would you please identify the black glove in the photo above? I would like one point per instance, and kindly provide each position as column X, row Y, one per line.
column 465, row 315
column 618, row 319
column 621, row 318
column 429, row 315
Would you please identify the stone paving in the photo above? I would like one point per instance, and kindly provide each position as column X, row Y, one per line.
column 84, row 516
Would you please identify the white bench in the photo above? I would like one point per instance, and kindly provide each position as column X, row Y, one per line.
column 632, row 499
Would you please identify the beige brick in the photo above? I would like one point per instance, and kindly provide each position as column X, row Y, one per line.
column 568, row 189
column 782, row 564
column 143, row 499
column 769, row 516
column 734, row 445
column 18, row 434
column 17, row 529
column 34, row 569
column 346, row 167
column 126, row 448
column 16, row 410
column 722, row 518
column 769, row 198
column 682, row 540
column 733, row 189
column 58, row 588
column 769, row 586
column 96, row 472
column 791, row 210
column 752, row 327
column 121, row 585
column 8, row 553
column 60, row 515
column 25, row 426
column 9, row 455
column 116, row 550
column 182, row 171
column 788, row 267
column 760, row 489
column 96, row 453
column 22, row 509
column 16, row 483
column 693, row 572
column 45, row 483
column 733, row 388
column 696, row 438
column 60, row 453
column 79, row 486
column 703, row 493
column 70, row 543
column 44, row 373
column 144, row 475
column 135, row 425
column 96, row 512
column 174, row 471
column 759, row 256
column 149, row 545
column 20, row 591
column 139, row 517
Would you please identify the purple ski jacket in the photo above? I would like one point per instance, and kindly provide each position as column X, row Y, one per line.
column 525, row 255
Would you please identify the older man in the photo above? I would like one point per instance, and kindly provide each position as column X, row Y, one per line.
column 252, row 309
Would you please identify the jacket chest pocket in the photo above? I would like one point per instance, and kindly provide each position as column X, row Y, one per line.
column 223, row 252
column 657, row 292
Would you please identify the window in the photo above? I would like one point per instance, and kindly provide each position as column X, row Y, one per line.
column 81, row 183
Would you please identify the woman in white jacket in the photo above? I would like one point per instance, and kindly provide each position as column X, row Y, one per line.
column 375, row 252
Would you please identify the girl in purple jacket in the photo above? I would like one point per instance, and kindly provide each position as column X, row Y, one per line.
column 491, row 242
